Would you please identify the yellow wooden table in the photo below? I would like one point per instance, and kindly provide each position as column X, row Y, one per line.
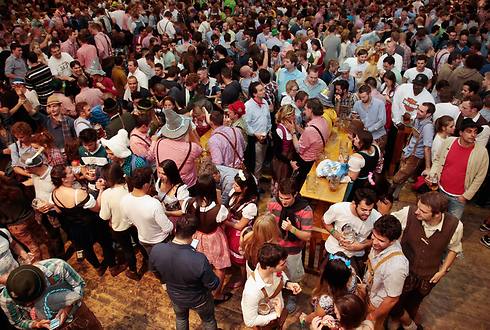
column 317, row 189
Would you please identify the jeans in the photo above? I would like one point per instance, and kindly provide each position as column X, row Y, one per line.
column 205, row 312
column 455, row 207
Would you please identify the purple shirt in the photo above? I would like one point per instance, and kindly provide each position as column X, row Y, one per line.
column 226, row 152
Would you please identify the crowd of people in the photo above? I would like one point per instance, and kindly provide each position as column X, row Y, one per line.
column 153, row 128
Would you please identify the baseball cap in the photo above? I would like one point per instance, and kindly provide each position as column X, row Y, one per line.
column 18, row 81
column 420, row 79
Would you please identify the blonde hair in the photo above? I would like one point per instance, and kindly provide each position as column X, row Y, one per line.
column 290, row 85
column 284, row 112
column 264, row 230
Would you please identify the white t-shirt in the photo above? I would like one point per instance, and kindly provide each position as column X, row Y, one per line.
column 339, row 215
column 60, row 67
column 110, row 207
column 445, row 109
column 43, row 186
column 411, row 73
column 405, row 101
column 148, row 215
column 355, row 66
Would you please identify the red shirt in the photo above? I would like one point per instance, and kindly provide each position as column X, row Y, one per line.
column 454, row 171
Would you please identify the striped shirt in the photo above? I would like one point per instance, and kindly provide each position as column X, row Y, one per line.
column 303, row 220
column 39, row 78
column 55, row 270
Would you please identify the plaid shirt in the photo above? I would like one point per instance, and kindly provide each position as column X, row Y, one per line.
column 271, row 93
column 347, row 103
column 407, row 56
column 56, row 270
column 55, row 157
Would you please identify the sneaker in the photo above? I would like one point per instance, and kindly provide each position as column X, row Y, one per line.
column 132, row 275
column 484, row 227
column 485, row 240
column 118, row 269
column 291, row 305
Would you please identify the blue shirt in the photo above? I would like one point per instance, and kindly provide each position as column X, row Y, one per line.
column 313, row 91
column 283, row 76
column 426, row 129
column 257, row 117
column 373, row 116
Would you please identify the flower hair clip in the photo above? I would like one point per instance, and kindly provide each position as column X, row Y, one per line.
column 334, row 257
column 370, row 179
column 241, row 175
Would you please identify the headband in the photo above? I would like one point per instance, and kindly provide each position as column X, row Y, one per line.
column 344, row 260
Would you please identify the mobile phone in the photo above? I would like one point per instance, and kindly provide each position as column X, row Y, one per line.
column 194, row 243
column 54, row 323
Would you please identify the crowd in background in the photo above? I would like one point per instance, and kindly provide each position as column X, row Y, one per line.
column 154, row 129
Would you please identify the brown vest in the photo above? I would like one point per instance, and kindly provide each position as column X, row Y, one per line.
column 425, row 254
column 207, row 220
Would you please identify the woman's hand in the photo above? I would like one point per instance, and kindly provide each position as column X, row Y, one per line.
column 294, row 287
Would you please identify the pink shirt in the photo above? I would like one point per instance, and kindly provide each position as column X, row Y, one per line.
column 69, row 47
column 140, row 143
column 310, row 142
column 222, row 152
column 86, row 54
column 103, row 44
column 93, row 96
column 177, row 151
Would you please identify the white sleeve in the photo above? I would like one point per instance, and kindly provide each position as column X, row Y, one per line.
column 329, row 216
column 250, row 211
column 222, row 214
column 5, row 230
column 279, row 133
column 90, row 203
column 402, row 216
column 182, row 193
column 161, row 218
column 356, row 164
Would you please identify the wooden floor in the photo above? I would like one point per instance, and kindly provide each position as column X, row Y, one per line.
column 459, row 301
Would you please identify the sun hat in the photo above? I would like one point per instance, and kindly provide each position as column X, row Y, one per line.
column 94, row 69
column 53, row 99
column 345, row 67
column 118, row 144
column 175, row 126
column 32, row 158
column 26, row 283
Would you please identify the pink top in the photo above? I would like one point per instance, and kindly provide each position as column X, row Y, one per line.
column 103, row 44
column 222, row 152
column 86, row 54
column 177, row 151
column 93, row 96
column 140, row 143
column 69, row 47
column 310, row 142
